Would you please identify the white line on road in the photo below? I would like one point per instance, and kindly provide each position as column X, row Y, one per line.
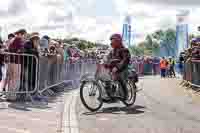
column 65, row 122
column 70, row 123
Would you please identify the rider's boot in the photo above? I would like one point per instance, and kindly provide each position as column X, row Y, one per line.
column 106, row 95
column 125, row 91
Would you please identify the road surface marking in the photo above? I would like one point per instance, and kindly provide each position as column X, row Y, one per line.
column 65, row 122
column 69, row 122
column 103, row 119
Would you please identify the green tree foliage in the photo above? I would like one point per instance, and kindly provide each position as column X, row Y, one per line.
column 81, row 43
column 136, row 50
column 169, row 41
column 158, row 43
column 82, row 46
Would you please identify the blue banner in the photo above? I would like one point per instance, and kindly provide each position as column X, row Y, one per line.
column 181, row 38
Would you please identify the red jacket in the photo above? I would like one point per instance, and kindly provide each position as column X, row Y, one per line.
column 16, row 45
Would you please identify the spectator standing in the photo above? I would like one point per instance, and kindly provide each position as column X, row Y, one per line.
column 4, row 67
column 171, row 67
column 1, row 62
column 11, row 36
column 156, row 62
column 60, row 58
column 14, row 68
column 163, row 67
column 66, row 54
column 60, row 52
column 44, row 45
column 44, row 42
column 52, row 63
column 17, row 44
column 1, row 59
column 31, row 47
column 181, row 62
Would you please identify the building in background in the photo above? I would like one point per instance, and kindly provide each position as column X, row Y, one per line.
column 182, row 36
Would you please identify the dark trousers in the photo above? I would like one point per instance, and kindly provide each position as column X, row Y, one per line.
column 163, row 72
column 28, row 76
column 172, row 71
column 124, row 87
column 1, row 74
column 121, row 78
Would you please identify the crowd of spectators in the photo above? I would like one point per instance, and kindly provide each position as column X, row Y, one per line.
column 193, row 52
column 57, row 51
column 190, row 59
column 13, row 71
column 149, row 65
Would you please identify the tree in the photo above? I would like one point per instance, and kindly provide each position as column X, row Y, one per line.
column 91, row 45
column 149, row 42
column 136, row 50
column 152, row 45
column 169, row 42
column 158, row 34
column 74, row 39
column 81, row 46
column 160, row 43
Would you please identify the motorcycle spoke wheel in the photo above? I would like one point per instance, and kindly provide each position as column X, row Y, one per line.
column 90, row 94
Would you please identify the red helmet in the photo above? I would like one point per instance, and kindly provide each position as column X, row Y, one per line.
column 116, row 36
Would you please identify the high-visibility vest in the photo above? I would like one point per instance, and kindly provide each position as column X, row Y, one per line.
column 163, row 64
column 172, row 62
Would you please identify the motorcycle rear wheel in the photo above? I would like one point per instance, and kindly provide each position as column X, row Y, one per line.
column 132, row 91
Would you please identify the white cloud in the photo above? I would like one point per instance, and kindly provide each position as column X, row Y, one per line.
column 94, row 19
column 150, row 15
column 169, row 2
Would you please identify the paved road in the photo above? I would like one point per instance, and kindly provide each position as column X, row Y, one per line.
column 38, row 117
column 161, row 107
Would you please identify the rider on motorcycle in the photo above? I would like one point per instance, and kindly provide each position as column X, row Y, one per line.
column 119, row 68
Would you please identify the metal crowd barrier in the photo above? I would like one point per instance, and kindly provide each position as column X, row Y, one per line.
column 143, row 68
column 191, row 73
column 54, row 72
column 20, row 73
column 29, row 74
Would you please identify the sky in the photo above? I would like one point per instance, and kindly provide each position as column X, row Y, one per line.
column 95, row 20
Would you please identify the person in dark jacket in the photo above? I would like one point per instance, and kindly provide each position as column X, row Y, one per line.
column 1, row 59
column 30, row 63
column 119, row 68
column 16, row 44
column 181, row 62
column 44, row 44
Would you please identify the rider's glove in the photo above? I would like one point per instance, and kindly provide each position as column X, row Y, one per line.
column 114, row 70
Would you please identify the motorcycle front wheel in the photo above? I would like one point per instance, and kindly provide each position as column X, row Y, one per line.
column 91, row 95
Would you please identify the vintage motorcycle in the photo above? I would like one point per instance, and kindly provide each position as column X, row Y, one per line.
column 92, row 88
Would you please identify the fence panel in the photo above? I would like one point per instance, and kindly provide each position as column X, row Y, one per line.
column 20, row 73
column 191, row 72
column 195, row 72
column 29, row 74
